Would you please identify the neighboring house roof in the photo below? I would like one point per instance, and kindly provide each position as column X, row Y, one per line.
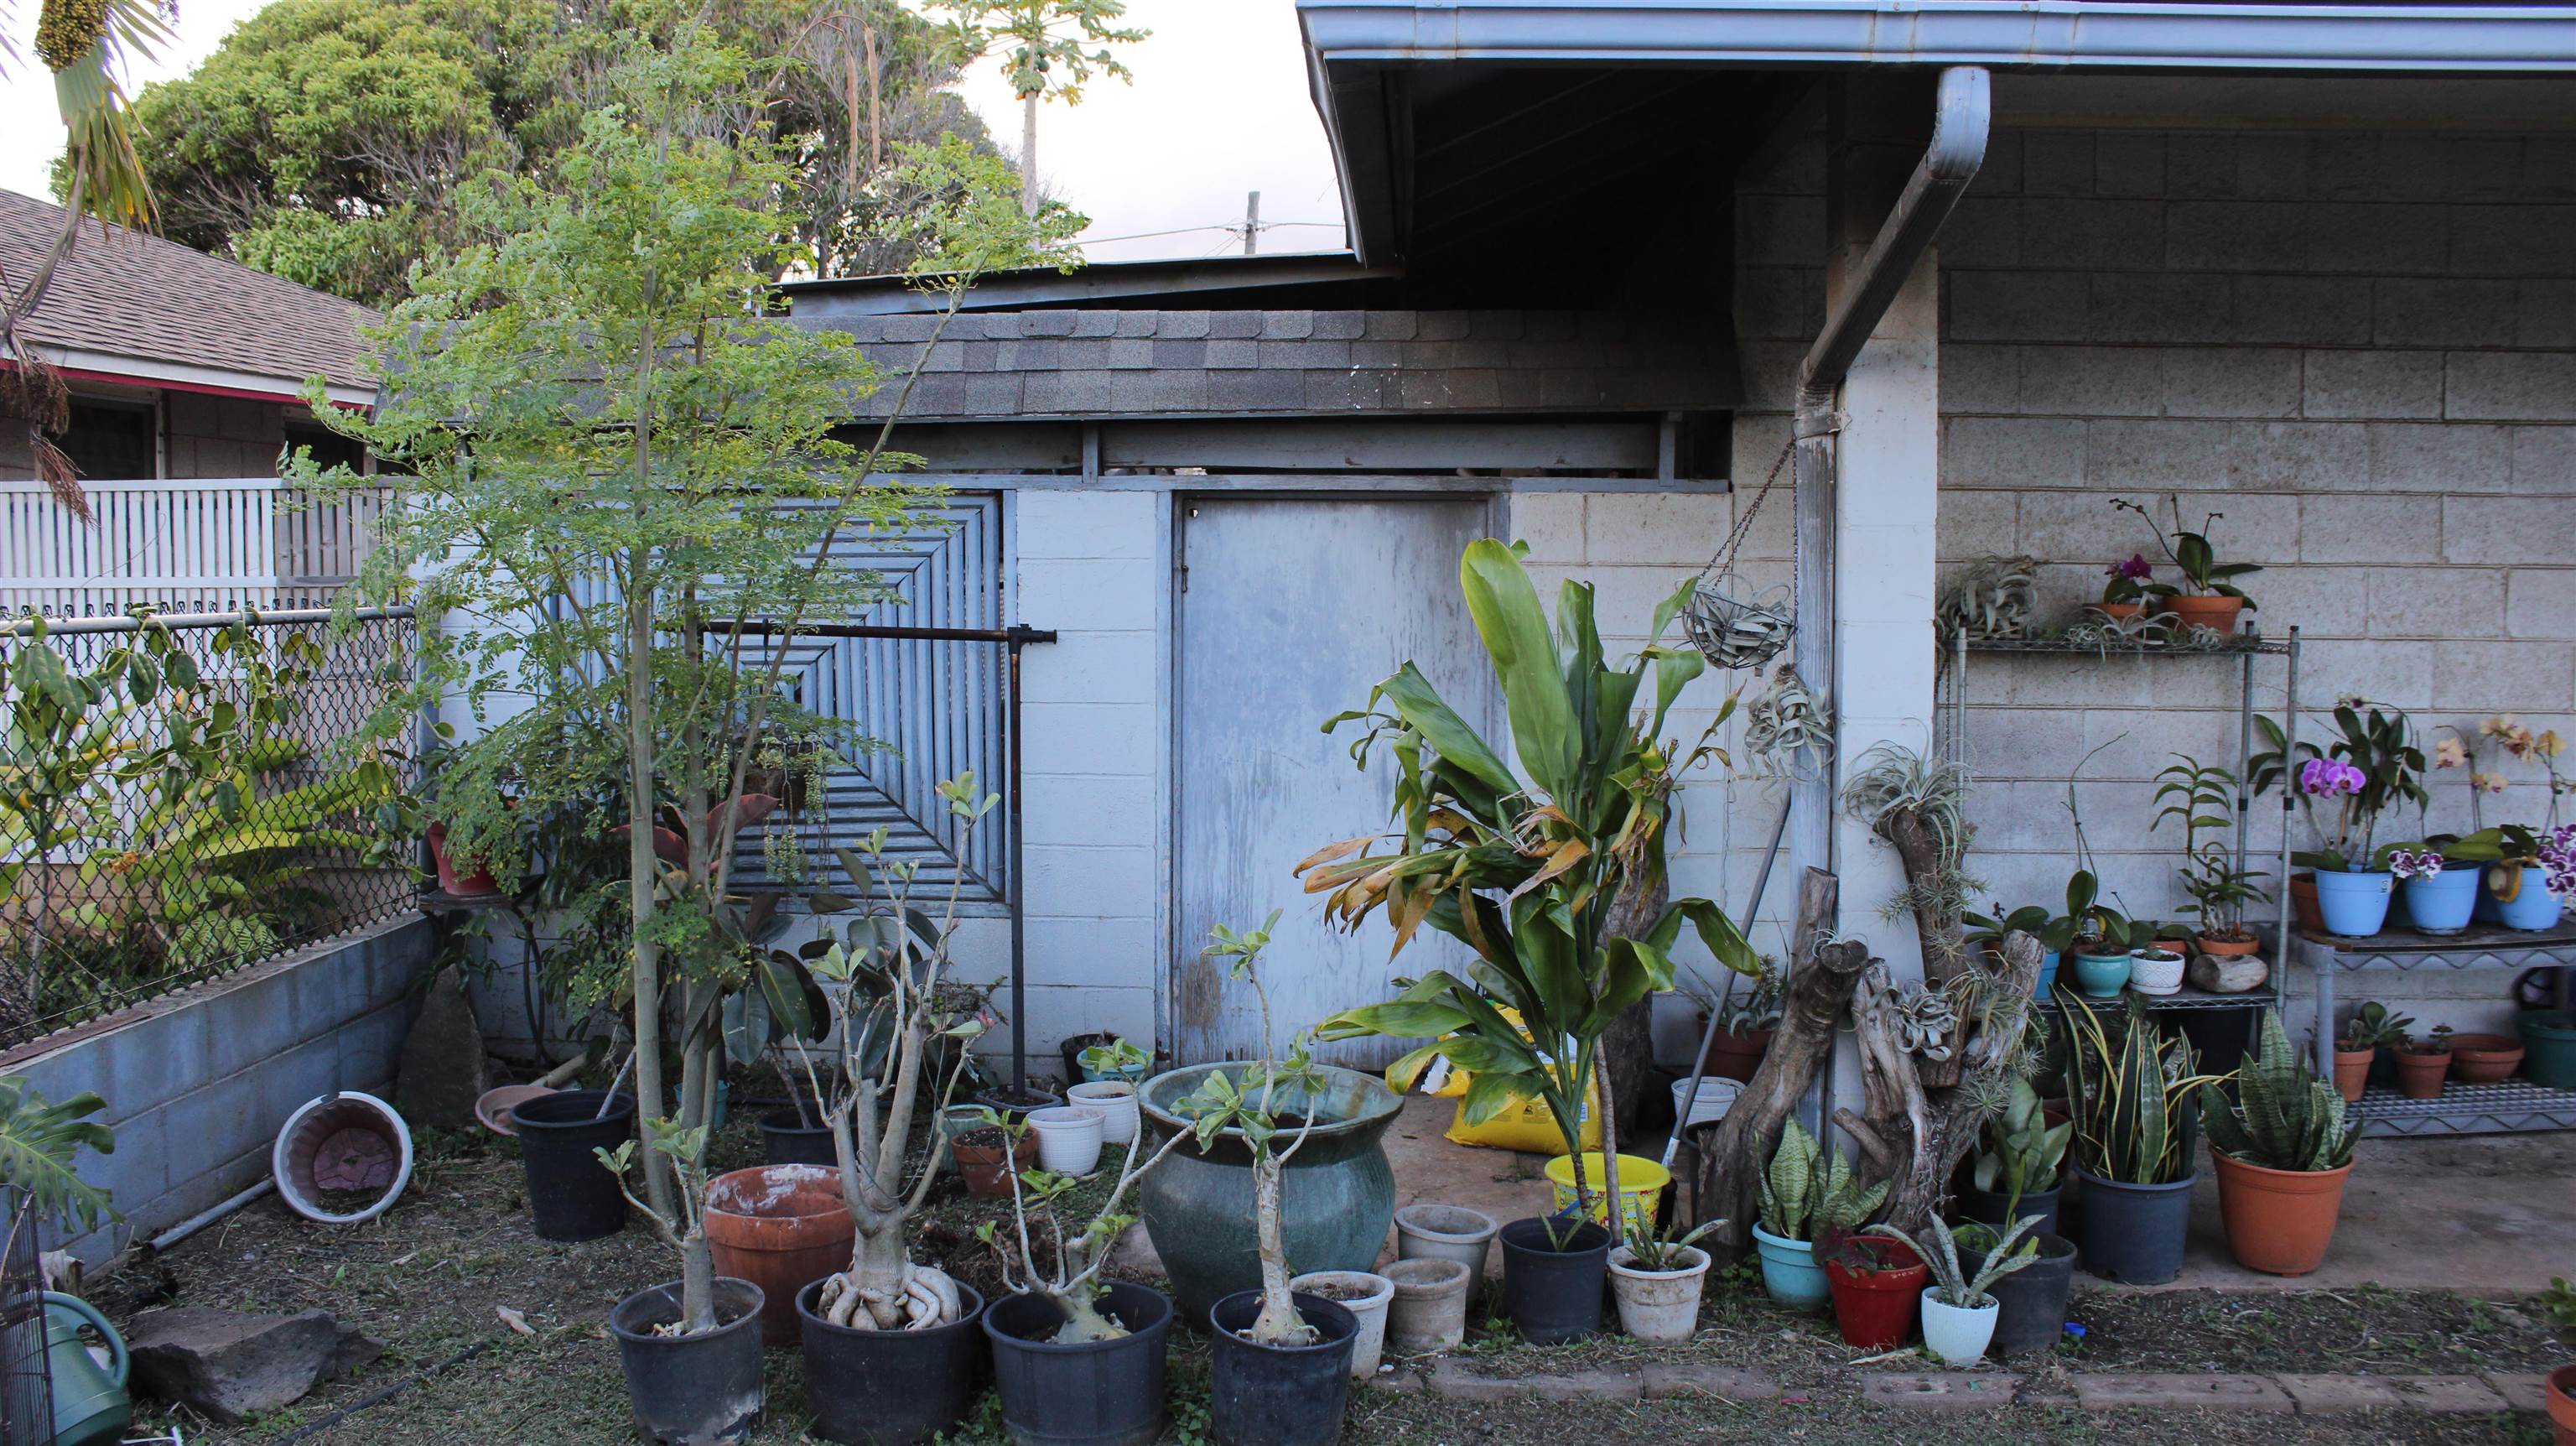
column 1093, row 282
column 997, row 365
column 131, row 306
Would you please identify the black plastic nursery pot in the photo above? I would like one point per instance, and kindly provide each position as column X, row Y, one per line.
column 1987, row 1208
column 1554, row 1296
column 694, row 1390
column 572, row 1195
column 2032, row 1300
column 1279, row 1395
column 786, row 1139
column 2134, row 1233
column 891, row 1388
column 1096, row 1393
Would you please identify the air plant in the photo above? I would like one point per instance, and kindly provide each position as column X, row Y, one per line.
column 1893, row 780
column 1993, row 598
column 1928, row 1021
column 1786, row 728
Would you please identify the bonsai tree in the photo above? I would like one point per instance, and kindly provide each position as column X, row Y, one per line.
column 2202, row 798
column 1249, row 1101
column 1541, row 872
column 1805, row 1198
column 2284, row 1117
column 2021, row 1151
column 610, row 459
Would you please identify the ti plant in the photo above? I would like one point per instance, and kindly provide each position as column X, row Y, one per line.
column 1803, row 1197
column 2020, row 1150
column 1527, row 868
column 1952, row 1284
column 2203, row 799
column 2132, row 1094
column 1247, row 1101
column 2284, row 1118
column 1072, row 1284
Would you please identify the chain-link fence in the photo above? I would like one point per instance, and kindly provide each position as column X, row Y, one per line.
column 181, row 796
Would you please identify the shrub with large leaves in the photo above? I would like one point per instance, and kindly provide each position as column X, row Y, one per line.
column 2285, row 1117
column 37, row 1143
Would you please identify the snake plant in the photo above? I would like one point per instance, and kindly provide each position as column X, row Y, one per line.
column 2285, row 1117
column 1804, row 1196
column 2132, row 1096
column 1939, row 1247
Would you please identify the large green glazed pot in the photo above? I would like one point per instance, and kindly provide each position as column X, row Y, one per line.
column 1336, row 1199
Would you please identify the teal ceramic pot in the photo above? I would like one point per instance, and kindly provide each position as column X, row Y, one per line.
column 2355, row 905
column 1790, row 1272
column 2101, row 976
column 1337, row 1197
column 2441, row 903
column 2549, row 1044
column 2533, row 907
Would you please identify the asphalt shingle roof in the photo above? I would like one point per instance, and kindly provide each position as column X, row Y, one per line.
column 131, row 294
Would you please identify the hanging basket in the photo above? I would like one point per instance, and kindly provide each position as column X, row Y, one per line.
column 1735, row 630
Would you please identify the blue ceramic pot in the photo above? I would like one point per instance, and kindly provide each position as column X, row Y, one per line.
column 2047, row 974
column 2101, row 976
column 2441, row 903
column 1337, row 1196
column 1790, row 1272
column 2355, row 905
column 2534, row 907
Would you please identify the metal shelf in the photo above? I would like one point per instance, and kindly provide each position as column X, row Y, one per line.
column 2483, row 947
column 2512, row 1106
column 2241, row 645
column 2183, row 998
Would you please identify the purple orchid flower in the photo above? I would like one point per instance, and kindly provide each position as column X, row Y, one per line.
column 2325, row 777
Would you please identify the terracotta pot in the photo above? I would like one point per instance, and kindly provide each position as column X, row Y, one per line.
column 2419, row 1076
column 2303, row 903
column 781, row 1227
column 2352, row 1072
column 988, row 1173
column 2225, row 948
column 477, row 884
column 2117, row 612
column 2210, row 611
column 1874, row 1309
column 1733, row 1055
column 2562, row 1404
column 2484, row 1058
column 2278, row 1221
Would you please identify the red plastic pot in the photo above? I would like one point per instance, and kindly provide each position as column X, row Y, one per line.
column 465, row 886
column 1874, row 1309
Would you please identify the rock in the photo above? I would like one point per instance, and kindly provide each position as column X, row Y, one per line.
column 2227, row 974
column 442, row 1072
column 229, row 1364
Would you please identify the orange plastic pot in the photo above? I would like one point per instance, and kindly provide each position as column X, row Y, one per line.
column 2420, row 1076
column 2225, row 948
column 2562, row 1404
column 2485, row 1058
column 1735, row 1055
column 2303, row 902
column 2212, row 610
column 2352, row 1072
column 2278, row 1221
column 1874, row 1309
column 781, row 1227
column 986, row 1167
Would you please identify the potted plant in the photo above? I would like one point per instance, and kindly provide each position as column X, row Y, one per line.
column 1802, row 1197
column 2371, row 766
column 1877, row 1285
column 685, row 1382
column 2030, row 1303
column 2205, row 598
column 2283, row 1150
column 2015, row 1168
column 2155, row 971
column 2422, row 1064
column 1745, row 1024
column 2439, row 900
column 1075, row 1358
column 2202, row 798
column 2562, row 1404
column 2105, row 942
column 2516, row 885
column 1270, row 1346
column 2485, row 1058
column 2054, row 932
column 1958, row 1309
column 2372, row 1029
column 2125, row 588
column 2132, row 1092
column 1656, row 1279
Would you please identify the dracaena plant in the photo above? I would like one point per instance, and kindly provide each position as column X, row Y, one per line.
column 2284, row 1117
column 1525, row 867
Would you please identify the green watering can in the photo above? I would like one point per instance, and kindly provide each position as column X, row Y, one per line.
column 90, row 1404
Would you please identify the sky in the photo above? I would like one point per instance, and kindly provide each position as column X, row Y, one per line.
column 1218, row 108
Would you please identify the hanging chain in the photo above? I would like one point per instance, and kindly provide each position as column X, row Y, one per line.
column 1724, row 561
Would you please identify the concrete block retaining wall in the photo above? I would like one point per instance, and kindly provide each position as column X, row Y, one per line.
column 198, row 1083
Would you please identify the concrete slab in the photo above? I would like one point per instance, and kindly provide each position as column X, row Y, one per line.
column 1939, row 1390
column 2161, row 1392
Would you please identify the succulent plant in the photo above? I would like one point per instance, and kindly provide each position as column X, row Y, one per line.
column 1804, row 1196
column 2285, row 1118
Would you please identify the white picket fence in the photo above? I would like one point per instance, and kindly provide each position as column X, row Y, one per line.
column 198, row 545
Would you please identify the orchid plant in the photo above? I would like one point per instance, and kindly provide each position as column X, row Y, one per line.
column 2372, row 765
column 2127, row 582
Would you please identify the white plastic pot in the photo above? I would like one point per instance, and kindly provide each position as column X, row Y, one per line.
column 2156, row 971
column 348, row 1142
column 1715, row 1097
column 1957, row 1334
column 1116, row 1101
column 1068, row 1138
column 1369, row 1310
column 1429, row 1312
column 1446, row 1232
column 1658, row 1305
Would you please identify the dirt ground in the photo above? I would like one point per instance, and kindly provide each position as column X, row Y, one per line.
column 429, row 1277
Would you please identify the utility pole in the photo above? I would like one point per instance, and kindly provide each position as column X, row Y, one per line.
column 1251, row 223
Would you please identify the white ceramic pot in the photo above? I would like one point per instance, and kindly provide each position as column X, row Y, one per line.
column 2155, row 971
column 1716, row 1096
column 1366, row 1297
column 1957, row 1334
column 1446, row 1232
column 1429, row 1312
column 1658, row 1305
column 1116, row 1101
column 1068, row 1138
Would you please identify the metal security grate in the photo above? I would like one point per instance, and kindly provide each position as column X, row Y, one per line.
column 26, row 1386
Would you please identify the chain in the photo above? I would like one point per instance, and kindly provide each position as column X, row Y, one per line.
column 1724, row 561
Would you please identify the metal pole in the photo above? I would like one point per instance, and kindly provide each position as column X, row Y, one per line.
column 1708, row 1032
column 2281, row 925
column 1018, row 637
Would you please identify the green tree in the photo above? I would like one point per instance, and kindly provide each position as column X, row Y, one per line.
column 326, row 141
column 618, row 454
column 1049, row 47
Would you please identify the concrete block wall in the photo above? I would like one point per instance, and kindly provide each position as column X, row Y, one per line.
column 2356, row 346
column 198, row 1084
column 205, row 436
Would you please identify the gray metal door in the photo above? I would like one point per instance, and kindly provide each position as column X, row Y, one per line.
column 1289, row 610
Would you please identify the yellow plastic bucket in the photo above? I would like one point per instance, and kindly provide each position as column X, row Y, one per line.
column 1641, row 1186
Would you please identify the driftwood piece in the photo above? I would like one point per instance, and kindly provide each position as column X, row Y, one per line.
column 1918, row 848
column 1913, row 1135
column 1734, row 1152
